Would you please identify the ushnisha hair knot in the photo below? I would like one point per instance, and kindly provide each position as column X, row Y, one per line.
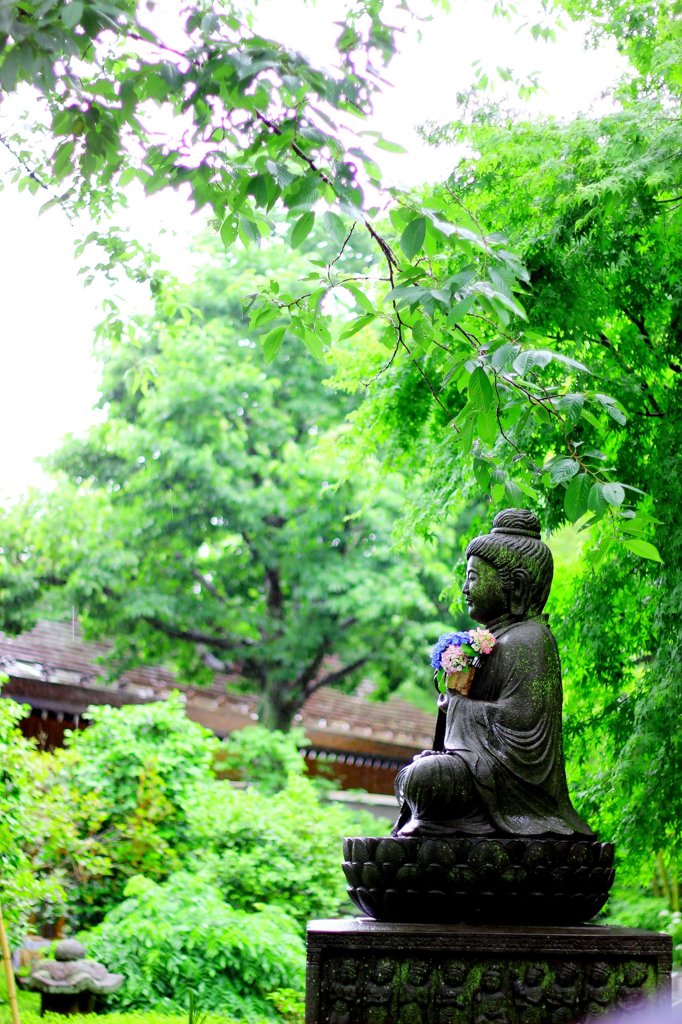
column 517, row 522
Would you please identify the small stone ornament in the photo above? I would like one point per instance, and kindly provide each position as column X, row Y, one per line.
column 486, row 829
column 70, row 983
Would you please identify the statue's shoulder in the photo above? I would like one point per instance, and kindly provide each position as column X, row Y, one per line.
column 527, row 631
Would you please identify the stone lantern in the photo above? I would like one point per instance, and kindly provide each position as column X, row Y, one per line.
column 70, row 983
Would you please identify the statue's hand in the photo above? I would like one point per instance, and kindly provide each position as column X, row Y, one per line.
column 443, row 699
column 426, row 753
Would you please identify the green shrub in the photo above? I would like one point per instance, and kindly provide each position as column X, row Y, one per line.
column 141, row 762
column 181, row 937
column 135, row 1017
column 29, row 1012
column 44, row 832
column 284, row 850
column 290, row 1004
column 262, row 757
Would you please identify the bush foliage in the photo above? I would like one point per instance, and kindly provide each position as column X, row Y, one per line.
column 186, row 883
column 283, row 850
column 182, row 937
column 141, row 763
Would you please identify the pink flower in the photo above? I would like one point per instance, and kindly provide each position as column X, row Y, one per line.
column 453, row 659
column 482, row 640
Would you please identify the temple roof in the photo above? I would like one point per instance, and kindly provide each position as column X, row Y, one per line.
column 54, row 661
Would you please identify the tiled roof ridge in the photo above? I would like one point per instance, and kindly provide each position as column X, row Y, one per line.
column 57, row 649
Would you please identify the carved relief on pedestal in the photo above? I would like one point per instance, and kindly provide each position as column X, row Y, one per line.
column 440, row 990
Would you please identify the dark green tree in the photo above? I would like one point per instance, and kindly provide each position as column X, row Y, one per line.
column 594, row 210
column 208, row 522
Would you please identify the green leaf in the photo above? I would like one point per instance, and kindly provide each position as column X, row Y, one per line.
column 480, row 389
column 513, row 494
column 302, row 228
column 487, row 425
column 467, row 435
column 9, row 70
column 422, row 332
column 595, row 500
column 563, row 470
column 335, row 227
column 229, row 230
column 504, row 356
column 571, row 406
column 273, row 343
column 636, row 525
column 258, row 188
column 529, row 358
column 611, row 408
column 482, row 474
column 412, row 238
column 357, row 325
column 512, row 305
column 590, row 418
column 248, row 231
column 527, row 489
column 575, row 364
column 313, row 343
column 614, row 494
column 575, row 498
column 360, row 297
column 460, row 310
column 616, row 414
column 643, row 548
column 406, row 295
column 71, row 14
column 62, row 158
column 390, row 147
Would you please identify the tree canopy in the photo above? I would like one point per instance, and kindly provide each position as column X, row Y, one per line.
column 251, row 128
column 216, row 528
column 514, row 332
column 593, row 207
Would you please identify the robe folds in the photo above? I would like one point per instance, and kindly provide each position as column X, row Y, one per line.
column 507, row 731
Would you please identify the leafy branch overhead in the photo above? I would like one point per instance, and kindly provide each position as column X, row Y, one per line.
column 264, row 142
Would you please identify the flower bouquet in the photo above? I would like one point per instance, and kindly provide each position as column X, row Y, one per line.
column 455, row 657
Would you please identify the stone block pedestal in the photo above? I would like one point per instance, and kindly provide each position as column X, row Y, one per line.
column 372, row 972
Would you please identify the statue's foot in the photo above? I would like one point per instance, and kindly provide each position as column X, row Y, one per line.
column 413, row 827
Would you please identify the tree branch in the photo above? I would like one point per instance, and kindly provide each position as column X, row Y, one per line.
column 195, row 636
column 336, row 676
column 307, row 674
column 212, row 589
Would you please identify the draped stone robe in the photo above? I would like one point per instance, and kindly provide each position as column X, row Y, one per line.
column 504, row 770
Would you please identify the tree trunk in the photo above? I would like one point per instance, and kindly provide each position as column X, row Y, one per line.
column 278, row 704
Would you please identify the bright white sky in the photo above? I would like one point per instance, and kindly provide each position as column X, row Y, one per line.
column 47, row 315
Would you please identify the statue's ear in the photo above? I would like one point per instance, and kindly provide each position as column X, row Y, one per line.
column 519, row 596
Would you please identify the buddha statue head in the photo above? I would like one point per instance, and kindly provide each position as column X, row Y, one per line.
column 509, row 570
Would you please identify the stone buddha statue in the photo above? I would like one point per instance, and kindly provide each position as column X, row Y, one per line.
column 499, row 767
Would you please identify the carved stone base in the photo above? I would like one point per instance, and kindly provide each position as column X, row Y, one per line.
column 477, row 879
column 370, row 972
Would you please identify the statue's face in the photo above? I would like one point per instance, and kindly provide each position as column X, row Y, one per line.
column 485, row 596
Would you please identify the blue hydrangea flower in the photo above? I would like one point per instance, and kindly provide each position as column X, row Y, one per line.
column 447, row 640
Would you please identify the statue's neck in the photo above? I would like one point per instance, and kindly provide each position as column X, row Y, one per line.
column 503, row 622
